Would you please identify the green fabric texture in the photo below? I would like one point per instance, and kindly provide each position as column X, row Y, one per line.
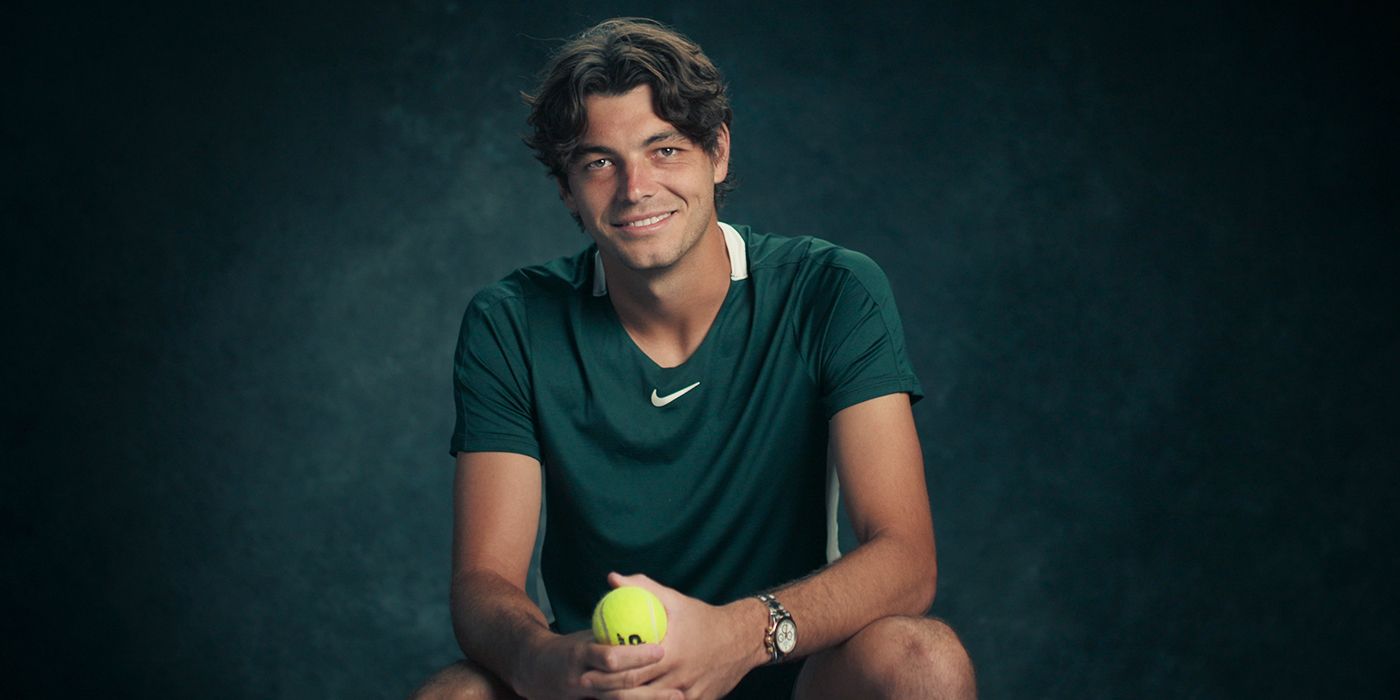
column 718, row 493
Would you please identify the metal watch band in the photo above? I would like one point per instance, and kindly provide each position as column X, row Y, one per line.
column 776, row 615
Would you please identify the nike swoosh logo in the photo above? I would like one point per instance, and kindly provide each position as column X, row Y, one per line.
column 659, row 401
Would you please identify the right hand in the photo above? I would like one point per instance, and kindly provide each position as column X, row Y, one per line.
column 574, row 666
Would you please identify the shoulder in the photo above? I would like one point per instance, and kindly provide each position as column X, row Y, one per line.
column 809, row 260
column 557, row 279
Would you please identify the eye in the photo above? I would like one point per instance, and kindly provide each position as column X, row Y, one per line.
column 667, row 151
column 597, row 164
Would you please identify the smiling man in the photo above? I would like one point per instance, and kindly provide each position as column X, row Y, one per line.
column 687, row 396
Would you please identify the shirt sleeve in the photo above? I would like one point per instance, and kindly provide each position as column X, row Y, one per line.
column 860, row 353
column 491, row 378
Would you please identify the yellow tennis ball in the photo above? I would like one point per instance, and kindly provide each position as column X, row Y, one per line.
column 629, row 615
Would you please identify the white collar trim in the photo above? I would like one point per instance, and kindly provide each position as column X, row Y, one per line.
column 733, row 244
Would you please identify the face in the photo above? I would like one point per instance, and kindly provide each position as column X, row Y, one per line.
column 643, row 191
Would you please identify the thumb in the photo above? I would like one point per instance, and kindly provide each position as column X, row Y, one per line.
column 617, row 580
column 670, row 598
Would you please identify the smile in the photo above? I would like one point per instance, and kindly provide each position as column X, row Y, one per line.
column 648, row 221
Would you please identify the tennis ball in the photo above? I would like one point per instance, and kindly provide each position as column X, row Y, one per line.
column 629, row 615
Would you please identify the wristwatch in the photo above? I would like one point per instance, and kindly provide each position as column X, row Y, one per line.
column 781, row 637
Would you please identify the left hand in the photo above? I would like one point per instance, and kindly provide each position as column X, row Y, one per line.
column 709, row 648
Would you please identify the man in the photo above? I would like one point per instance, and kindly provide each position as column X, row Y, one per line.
column 683, row 391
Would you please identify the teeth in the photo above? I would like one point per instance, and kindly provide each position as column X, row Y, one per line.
column 647, row 222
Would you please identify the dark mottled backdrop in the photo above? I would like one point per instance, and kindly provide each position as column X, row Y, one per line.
column 1145, row 257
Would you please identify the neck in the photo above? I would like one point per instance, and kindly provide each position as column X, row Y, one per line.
column 672, row 309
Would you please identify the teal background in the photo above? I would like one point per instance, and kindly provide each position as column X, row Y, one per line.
column 1145, row 256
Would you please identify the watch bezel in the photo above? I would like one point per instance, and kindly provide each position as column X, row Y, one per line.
column 785, row 623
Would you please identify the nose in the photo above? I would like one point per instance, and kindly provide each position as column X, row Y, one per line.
column 638, row 182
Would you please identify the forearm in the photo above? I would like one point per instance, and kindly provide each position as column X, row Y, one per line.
column 874, row 447
column 887, row 575
column 495, row 622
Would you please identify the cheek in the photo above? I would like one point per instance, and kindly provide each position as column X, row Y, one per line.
column 595, row 191
column 581, row 199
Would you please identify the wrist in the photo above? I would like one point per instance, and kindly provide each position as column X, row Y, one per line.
column 780, row 637
column 749, row 620
column 532, row 649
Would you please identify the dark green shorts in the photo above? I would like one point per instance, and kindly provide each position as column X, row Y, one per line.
column 768, row 682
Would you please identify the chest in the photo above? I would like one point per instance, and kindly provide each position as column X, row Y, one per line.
column 596, row 390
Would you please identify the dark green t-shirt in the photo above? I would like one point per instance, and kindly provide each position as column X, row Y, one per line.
column 720, row 491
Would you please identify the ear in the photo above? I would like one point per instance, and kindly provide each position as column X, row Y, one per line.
column 721, row 154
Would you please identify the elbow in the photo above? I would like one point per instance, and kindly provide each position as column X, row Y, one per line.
column 915, row 564
column 467, row 589
column 918, row 576
column 458, row 598
column 470, row 586
column 926, row 580
column 925, row 588
column 459, row 590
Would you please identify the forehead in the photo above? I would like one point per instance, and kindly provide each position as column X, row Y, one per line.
column 616, row 121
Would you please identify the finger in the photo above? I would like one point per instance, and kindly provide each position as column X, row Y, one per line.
column 670, row 598
column 614, row 659
column 641, row 580
column 642, row 693
column 621, row 680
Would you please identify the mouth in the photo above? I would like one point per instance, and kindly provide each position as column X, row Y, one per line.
column 645, row 223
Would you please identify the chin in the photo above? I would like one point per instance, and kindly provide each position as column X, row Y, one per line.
column 641, row 255
column 646, row 265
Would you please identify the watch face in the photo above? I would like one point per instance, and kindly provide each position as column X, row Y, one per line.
column 786, row 636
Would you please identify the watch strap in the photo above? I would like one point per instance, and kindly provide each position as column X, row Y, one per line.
column 776, row 614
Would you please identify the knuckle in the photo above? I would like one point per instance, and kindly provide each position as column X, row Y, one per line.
column 610, row 662
column 593, row 657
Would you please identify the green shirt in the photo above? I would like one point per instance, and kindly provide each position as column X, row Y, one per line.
column 720, row 491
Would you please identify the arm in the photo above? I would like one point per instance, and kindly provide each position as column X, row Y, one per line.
column 496, row 503
column 496, row 508
column 893, row 571
column 875, row 447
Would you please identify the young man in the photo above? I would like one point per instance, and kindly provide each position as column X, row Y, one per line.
column 683, row 392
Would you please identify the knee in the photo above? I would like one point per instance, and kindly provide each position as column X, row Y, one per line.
column 462, row 681
column 909, row 657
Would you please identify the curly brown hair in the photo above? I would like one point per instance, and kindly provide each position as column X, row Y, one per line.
column 612, row 58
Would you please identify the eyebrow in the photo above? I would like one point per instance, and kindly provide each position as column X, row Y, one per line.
column 590, row 148
column 660, row 136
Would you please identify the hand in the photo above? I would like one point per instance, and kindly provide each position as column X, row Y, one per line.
column 708, row 648
column 574, row 666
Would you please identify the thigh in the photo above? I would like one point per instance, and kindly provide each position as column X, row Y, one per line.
column 893, row 657
column 464, row 680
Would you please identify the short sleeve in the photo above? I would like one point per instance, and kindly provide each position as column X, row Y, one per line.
column 491, row 378
column 860, row 351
